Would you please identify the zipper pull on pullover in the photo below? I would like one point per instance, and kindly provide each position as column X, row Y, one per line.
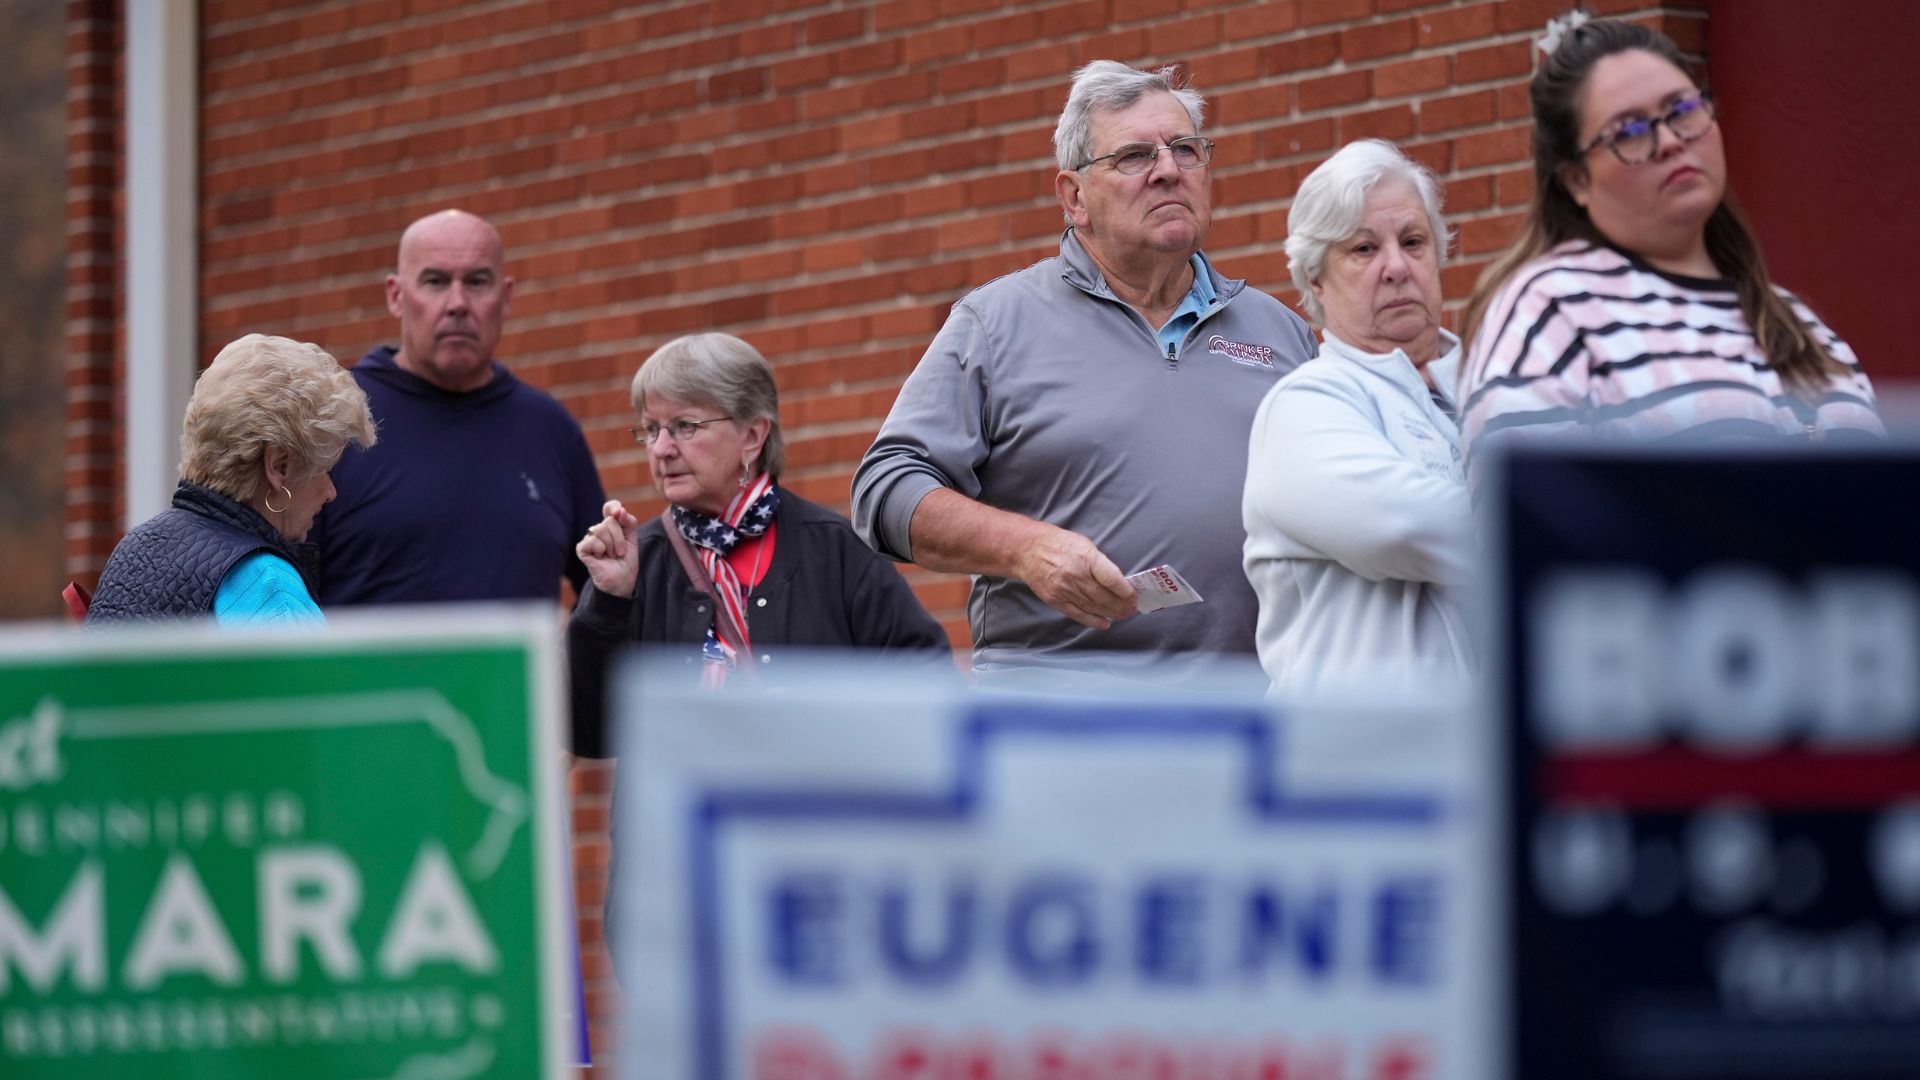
column 1171, row 362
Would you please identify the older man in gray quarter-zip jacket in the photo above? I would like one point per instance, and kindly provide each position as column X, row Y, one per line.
column 1086, row 418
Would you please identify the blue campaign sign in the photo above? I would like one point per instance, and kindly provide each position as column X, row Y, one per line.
column 879, row 879
column 1712, row 692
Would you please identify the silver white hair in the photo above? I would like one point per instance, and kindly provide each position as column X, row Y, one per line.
column 1330, row 202
column 1108, row 85
column 722, row 371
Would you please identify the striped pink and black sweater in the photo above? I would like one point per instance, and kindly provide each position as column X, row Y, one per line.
column 1587, row 340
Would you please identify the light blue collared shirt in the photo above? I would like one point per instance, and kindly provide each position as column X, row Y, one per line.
column 1198, row 300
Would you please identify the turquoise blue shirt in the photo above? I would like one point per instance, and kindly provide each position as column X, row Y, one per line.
column 264, row 589
column 1199, row 298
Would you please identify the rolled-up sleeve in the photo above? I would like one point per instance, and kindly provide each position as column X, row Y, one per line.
column 934, row 437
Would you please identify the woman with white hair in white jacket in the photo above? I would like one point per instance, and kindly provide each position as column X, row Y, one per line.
column 1359, row 528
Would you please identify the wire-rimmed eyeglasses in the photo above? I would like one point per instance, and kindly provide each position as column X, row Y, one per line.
column 681, row 430
column 1132, row 159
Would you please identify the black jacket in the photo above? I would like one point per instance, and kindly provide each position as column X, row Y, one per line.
column 825, row 588
column 171, row 565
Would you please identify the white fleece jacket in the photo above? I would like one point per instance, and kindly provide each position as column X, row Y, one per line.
column 1359, row 530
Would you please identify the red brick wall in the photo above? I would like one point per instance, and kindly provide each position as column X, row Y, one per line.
column 821, row 178
column 94, row 296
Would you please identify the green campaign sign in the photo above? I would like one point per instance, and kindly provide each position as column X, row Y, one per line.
column 316, row 855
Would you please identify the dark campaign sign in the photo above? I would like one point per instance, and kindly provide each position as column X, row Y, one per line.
column 1713, row 700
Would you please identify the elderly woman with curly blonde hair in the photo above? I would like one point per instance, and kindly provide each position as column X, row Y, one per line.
column 266, row 424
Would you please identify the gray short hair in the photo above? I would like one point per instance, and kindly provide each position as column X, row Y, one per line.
column 263, row 392
column 1107, row 85
column 722, row 371
column 1329, row 203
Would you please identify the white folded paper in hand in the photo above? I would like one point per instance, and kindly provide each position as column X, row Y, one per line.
column 1162, row 587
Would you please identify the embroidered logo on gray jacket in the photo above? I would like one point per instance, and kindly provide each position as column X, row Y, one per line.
column 1240, row 352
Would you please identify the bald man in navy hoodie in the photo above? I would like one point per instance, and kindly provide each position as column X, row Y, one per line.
column 480, row 485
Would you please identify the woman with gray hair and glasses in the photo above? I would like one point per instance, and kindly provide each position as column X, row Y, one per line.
column 739, row 574
column 267, row 422
column 1359, row 533
column 738, row 568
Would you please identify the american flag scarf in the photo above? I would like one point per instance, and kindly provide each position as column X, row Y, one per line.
column 749, row 514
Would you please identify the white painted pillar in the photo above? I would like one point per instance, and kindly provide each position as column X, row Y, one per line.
column 163, row 256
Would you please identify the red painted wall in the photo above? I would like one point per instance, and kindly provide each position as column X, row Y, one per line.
column 1823, row 144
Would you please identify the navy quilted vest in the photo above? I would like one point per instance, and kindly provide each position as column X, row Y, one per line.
column 171, row 565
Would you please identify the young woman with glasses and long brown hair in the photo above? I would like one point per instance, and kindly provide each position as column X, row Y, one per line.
column 1635, row 304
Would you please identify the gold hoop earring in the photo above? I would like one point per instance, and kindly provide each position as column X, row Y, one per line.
column 272, row 509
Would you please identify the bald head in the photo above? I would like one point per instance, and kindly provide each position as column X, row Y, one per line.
column 445, row 225
column 450, row 291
